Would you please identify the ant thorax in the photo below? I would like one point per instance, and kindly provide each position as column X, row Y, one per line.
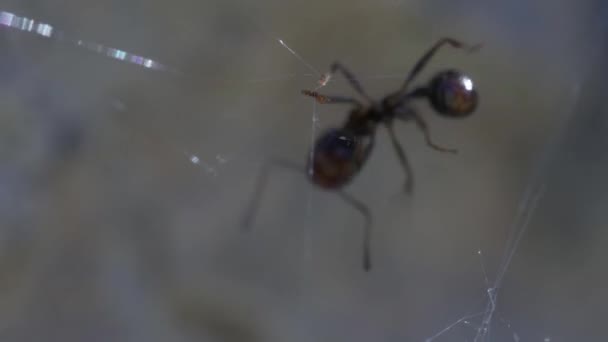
column 405, row 112
column 362, row 121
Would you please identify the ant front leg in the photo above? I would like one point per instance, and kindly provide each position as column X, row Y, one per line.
column 431, row 52
column 427, row 135
column 407, row 169
column 260, row 185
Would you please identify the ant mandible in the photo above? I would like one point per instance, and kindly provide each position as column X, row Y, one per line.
column 340, row 153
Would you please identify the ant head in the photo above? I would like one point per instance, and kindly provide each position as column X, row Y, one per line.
column 453, row 94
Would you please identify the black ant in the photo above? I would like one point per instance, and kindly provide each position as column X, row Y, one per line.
column 340, row 153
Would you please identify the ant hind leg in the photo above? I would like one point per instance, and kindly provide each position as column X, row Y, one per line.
column 324, row 99
column 260, row 185
column 350, row 77
column 362, row 208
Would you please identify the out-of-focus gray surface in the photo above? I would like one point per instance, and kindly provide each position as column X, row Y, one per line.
column 110, row 233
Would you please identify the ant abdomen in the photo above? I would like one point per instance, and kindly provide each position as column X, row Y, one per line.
column 337, row 157
column 453, row 94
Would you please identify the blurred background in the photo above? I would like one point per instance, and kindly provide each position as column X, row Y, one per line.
column 123, row 183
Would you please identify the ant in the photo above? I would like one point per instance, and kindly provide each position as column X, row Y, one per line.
column 339, row 153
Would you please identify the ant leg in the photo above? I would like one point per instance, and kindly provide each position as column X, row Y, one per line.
column 261, row 184
column 409, row 174
column 427, row 135
column 429, row 54
column 350, row 77
column 367, row 263
column 323, row 99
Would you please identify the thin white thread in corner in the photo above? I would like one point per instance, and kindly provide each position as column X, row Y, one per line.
column 534, row 191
